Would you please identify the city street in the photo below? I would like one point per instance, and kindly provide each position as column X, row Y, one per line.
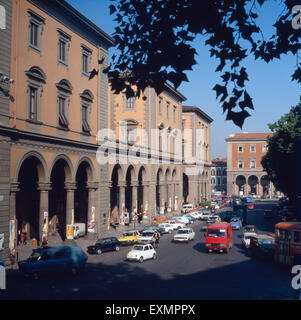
column 181, row 271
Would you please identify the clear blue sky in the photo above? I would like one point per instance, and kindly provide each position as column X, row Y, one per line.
column 269, row 85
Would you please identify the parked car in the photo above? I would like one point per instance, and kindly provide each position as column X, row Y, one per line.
column 250, row 228
column 141, row 252
column 168, row 228
column 182, row 219
column 246, row 239
column 147, row 236
column 79, row 230
column 184, row 235
column 186, row 207
column 129, row 237
column 176, row 224
column 53, row 260
column 205, row 214
column 190, row 218
column 219, row 237
column 214, row 218
column 158, row 220
column 103, row 245
column 236, row 223
column 262, row 246
column 155, row 228
column 195, row 215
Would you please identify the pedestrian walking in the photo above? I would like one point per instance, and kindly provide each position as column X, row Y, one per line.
column 156, row 244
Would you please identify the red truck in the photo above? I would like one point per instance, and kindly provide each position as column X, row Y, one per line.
column 219, row 237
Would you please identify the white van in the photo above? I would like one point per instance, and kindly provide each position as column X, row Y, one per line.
column 187, row 207
column 79, row 230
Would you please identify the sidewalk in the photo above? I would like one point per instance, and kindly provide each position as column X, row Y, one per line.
column 24, row 251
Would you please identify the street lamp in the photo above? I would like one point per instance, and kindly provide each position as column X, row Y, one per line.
column 5, row 79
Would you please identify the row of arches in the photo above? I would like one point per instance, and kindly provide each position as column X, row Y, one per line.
column 253, row 185
column 59, row 191
column 133, row 189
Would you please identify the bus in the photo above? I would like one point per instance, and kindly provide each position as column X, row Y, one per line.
column 287, row 242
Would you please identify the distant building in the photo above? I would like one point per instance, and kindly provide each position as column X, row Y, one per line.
column 196, row 154
column 219, row 175
column 245, row 175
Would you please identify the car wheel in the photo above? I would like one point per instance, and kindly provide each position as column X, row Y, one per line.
column 207, row 250
column 141, row 259
column 154, row 256
column 117, row 248
column 99, row 251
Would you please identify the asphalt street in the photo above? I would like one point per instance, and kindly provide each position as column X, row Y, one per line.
column 182, row 271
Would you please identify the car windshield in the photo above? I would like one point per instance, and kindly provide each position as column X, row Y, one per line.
column 182, row 231
column 147, row 234
column 138, row 248
column 127, row 234
column 217, row 233
column 235, row 220
column 249, row 228
column 100, row 241
column 35, row 256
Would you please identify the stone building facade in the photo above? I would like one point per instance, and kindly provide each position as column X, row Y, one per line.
column 54, row 117
column 196, row 155
column 219, row 175
column 145, row 173
column 5, row 48
column 245, row 175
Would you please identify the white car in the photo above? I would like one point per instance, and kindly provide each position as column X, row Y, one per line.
column 194, row 214
column 167, row 227
column 246, row 239
column 205, row 214
column 147, row 236
column 176, row 224
column 184, row 235
column 141, row 252
column 186, row 207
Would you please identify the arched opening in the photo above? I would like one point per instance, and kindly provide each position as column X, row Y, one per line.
column 129, row 190
column 81, row 194
column 253, row 183
column 158, row 190
column 241, row 184
column 60, row 173
column 115, row 189
column 265, row 184
column 28, row 198
column 140, row 193
column 185, row 188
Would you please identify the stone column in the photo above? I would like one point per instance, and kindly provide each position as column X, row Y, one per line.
column 14, row 188
column 44, row 188
column 92, row 187
column 134, row 186
column 121, row 186
column 70, row 187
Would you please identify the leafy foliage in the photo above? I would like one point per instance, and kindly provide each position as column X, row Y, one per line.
column 280, row 161
column 154, row 39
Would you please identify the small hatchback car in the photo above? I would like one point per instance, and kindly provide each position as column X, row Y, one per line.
column 53, row 260
column 103, row 245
